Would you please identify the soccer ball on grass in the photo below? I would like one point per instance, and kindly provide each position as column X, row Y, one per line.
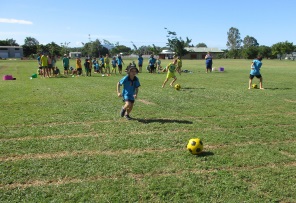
column 254, row 86
column 177, row 87
column 195, row 146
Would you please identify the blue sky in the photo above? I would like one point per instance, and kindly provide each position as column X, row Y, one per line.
column 143, row 22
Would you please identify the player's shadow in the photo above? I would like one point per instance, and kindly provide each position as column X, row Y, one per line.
column 163, row 121
column 276, row 88
column 205, row 153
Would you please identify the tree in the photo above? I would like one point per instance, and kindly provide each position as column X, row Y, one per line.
column 281, row 48
column 31, row 41
column 265, row 51
column 233, row 40
column 250, row 52
column 121, row 49
column 8, row 42
column 201, row 45
column 250, row 42
column 176, row 44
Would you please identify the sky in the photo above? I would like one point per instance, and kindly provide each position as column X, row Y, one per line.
column 143, row 22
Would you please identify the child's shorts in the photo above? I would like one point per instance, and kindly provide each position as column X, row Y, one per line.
column 257, row 76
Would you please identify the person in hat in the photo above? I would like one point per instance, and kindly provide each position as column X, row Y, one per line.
column 129, row 92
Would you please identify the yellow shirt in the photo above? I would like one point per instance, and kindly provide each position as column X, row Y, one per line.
column 179, row 63
column 107, row 60
column 43, row 60
column 78, row 63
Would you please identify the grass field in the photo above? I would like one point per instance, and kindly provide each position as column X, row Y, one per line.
column 62, row 139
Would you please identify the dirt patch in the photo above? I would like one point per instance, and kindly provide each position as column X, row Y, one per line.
column 292, row 101
column 146, row 102
column 62, row 181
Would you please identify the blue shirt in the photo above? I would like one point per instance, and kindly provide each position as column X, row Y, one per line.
column 256, row 65
column 152, row 61
column 140, row 60
column 114, row 62
column 129, row 87
column 119, row 61
column 102, row 60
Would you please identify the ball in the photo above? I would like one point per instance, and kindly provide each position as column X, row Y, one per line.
column 195, row 146
column 254, row 86
column 177, row 87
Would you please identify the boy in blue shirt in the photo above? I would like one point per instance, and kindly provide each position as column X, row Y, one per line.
column 152, row 62
column 140, row 62
column 255, row 71
column 130, row 91
column 119, row 63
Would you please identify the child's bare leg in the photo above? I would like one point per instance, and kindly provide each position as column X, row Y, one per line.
column 129, row 108
column 261, row 86
column 165, row 81
column 250, row 83
column 173, row 82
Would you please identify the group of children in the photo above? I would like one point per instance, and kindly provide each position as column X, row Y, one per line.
column 131, row 82
column 47, row 66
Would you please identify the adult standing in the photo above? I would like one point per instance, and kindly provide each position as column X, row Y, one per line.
column 152, row 62
column 66, row 64
column 209, row 62
column 140, row 62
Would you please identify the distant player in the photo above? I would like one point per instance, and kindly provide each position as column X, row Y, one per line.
column 114, row 63
column 151, row 63
column 107, row 63
column 255, row 71
column 119, row 63
column 66, row 64
column 140, row 62
column 171, row 69
column 209, row 62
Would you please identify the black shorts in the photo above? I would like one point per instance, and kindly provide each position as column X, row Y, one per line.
column 66, row 68
column 257, row 76
column 128, row 100
column 140, row 65
column 120, row 67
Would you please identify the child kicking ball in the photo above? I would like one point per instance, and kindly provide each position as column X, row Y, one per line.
column 171, row 69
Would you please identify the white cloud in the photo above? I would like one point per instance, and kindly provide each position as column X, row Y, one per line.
column 6, row 20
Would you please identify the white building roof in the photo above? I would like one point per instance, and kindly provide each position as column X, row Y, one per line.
column 203, row 49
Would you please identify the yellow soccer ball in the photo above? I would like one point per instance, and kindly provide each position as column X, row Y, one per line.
column 195, row 146
column 177, row 87
column 254, row 86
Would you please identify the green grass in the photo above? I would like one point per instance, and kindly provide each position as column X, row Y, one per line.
column 62, row 139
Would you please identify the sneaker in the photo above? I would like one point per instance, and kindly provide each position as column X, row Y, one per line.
column 122, row 112
column 128, row 117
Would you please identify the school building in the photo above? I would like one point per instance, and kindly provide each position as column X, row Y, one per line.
column 11, row 52
column 201, row 52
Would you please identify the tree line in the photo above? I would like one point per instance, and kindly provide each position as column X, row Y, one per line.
column 246, row 48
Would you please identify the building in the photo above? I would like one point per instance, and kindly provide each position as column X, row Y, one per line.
column 11, row 52
column 201, row 52
column 75, row 54
column 166, row 54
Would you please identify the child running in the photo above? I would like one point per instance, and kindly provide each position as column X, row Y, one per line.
column 130, row 91
column 171, row 69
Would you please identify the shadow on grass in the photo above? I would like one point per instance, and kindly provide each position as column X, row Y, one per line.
column 276, row 88
column 162, row 121
column 192, row 88
column 204, row 154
